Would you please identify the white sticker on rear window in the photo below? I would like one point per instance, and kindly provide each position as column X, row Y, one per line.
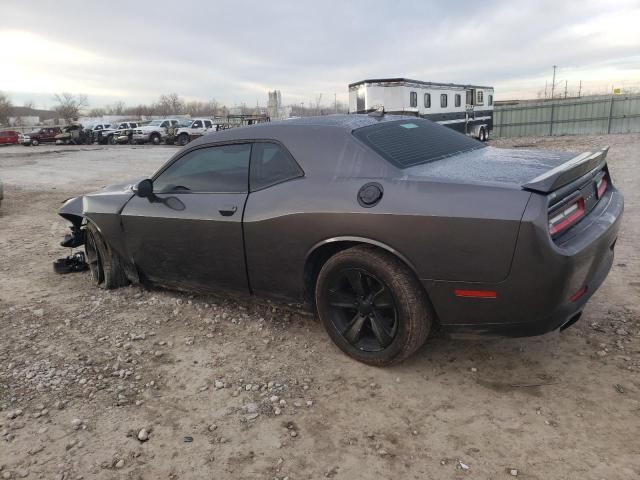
column 409, row 125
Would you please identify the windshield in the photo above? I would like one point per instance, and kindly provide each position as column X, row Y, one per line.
column 405, row 143
column 155, row 123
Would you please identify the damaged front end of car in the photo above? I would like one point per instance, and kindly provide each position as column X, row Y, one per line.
column 98, row 212
column 72, row 211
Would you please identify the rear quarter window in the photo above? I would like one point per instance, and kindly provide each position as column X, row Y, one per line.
column 405, row 143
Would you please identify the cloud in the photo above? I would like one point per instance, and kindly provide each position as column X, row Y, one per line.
column 235, row 51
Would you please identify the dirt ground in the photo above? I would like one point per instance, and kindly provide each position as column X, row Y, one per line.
column 231, row 389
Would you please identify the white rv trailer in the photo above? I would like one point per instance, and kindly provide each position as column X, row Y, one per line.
column 466, row 108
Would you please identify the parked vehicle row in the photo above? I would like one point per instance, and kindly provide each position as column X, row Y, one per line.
column 165, row 130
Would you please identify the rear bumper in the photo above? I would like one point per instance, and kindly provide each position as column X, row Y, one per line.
column 548, row 285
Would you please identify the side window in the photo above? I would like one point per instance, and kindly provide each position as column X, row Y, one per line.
column 164, row 124
column 427, row 100
column 133, row 125
column 490, row 100
column 197, row 124
column 207, row 124
column 413, row 99
column 213, row 169
column 458, row 100
column 444, row 100
column 271, row 164
column 175, row 122
column 98, row 127
column 479, row 97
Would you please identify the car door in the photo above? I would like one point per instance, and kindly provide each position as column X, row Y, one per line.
column 49, row 134
column 196, row 127
column 189, row 232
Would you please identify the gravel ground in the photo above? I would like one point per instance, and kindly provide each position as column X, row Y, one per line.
column 146, row 384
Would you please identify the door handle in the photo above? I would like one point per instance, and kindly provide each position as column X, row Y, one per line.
column 228, row 210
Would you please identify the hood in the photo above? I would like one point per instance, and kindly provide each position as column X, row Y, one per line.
column 110, row 199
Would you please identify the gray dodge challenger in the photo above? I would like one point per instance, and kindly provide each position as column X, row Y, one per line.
column 387, row 226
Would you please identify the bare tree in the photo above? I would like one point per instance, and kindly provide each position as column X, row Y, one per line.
column 6, row 108
column 173, row 104
column 96, row 112
column 117, row 108
column 70, row 106
column 29, row 104
column 196, row 108
column 170, row 104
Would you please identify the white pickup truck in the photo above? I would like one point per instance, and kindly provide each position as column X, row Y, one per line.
column 194, row 128
column 154, row 132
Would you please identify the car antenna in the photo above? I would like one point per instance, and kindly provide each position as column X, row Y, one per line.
column 378, row 112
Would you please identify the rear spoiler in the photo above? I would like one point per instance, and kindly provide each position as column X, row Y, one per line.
column 567, row 172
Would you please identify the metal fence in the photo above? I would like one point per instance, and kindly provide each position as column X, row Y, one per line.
column 599, row 114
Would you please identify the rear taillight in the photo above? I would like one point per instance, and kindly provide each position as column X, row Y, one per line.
column 560, row 219
column 601, row 186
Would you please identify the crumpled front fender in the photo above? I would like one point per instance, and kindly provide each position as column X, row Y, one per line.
column 73, row 210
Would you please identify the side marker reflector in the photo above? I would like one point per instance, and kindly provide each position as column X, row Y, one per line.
column 475, row 293
column 576, row 296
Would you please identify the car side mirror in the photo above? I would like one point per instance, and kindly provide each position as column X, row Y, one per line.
column 144, row 188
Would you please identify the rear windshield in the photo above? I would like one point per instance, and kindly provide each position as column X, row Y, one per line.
column 412, row 142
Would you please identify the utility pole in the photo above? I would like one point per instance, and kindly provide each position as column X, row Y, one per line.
column 545, row 89
column 565, row 88
column 335, row 102
column 553, row 82
column 580, row 89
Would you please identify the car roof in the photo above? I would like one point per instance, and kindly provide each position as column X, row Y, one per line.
column 275, row 129
column 321, row 145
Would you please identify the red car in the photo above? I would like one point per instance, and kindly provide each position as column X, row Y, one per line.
column 42, row 135
column 9, row 137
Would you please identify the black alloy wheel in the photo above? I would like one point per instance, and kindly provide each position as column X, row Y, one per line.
column 362, row 309
column 372, row 305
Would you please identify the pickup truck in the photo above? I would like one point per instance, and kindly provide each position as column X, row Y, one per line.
column 155, row 132
column 194, row 128
column 111, row 134
column 93, row 132
column 41, row 135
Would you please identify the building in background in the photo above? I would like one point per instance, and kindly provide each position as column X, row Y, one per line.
column 274, row 106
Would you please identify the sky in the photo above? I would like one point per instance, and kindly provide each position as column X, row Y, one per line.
column 236, row 51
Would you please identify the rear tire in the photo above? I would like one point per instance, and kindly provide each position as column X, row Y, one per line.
column 111, row 140
column 155, row 139
column 105, row 264
column 482, row 135
column 372, row 306
column 35, row 142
